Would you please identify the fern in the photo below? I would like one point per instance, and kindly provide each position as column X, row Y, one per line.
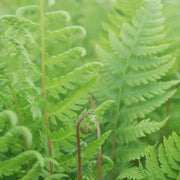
column 53, row 85
column 33, row 172
column 94, row 146
column 99, row 112
column 134, row 62
column 46, row 81
column 8, row 166
column 165, row 164
column 64, row 135
column 131, row 173
column 11, row 165
column 134, row 131
column 7, row 138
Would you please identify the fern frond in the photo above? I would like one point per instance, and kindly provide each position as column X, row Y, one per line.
column 131, row 173
column 10, row 115
column 135, row 61
column 99, row 112
column 60, row 15
column 68, row 81
column 9, row 166
column 151, row 61
column 92, row 147
column 65, row 33
column 7, row 138
column 22, row 10
column 168, row 157
column 70, row 54
column 74, row 101
column 153, row 169
column 143, row 108
column 65, row 87
column 141, row 129
column 132, row 151
column 136, row 79
column 141, row 93
column 9, row 20
column 64, row 135
column 33, row 173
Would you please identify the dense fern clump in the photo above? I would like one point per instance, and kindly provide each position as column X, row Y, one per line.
column 44, row 87
column 135, row 61
column 64, row 115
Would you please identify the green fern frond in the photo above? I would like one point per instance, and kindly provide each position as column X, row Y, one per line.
column 141, row 129
column 64, row 135
column 70, row 54
column 7, row 138
column 99, row 112
column 92, row 147
column 22, row 10
column 65, row 33
column 68, row 81
column 135, row 61
column 60, row 15
column 152, row 165
column 10, row 20
column 131, row 173
column 74, row 101
column 10, row 115
column 148, row 63
column 9, row 166
column 143, row 108
column 141, row 93
column 107, row 165
column 26, row 40
column 165, row 165
column 33, row 173
column 138, row 78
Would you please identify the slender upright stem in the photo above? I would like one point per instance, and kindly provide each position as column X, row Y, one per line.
column 99, row 162
column 78, row 144
column 43, row 75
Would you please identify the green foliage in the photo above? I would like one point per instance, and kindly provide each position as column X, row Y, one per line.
column 100, row 111
column 165, row 165
column 135, row 59
column 38, row 79
column 95, row 145
column 11, row 165
column 136, row 130
column 47, row 72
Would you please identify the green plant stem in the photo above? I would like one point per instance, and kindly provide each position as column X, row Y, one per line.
column 99, row 162
column 78, row 143
column 43, row 75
